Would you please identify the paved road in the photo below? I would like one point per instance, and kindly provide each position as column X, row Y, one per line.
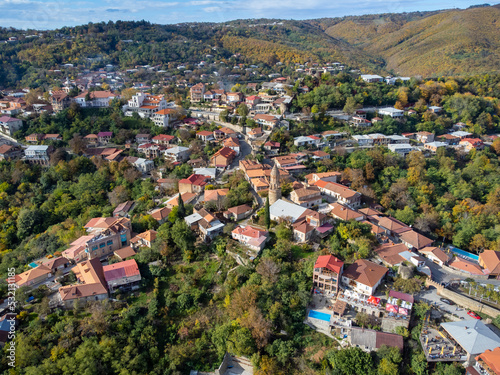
column 430, row 296
column 441, row 276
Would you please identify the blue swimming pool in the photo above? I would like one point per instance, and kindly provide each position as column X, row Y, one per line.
column 33, row 265
column 319, row 315
column 464, row 253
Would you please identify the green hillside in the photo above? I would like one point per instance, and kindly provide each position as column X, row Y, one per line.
column 442, row 43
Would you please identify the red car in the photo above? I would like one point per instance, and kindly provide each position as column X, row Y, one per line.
column 473, row 314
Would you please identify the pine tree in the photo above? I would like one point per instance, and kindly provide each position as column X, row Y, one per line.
column 181, row 211
column 267, row 214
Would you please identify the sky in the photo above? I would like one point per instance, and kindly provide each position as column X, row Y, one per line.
column 50, row 14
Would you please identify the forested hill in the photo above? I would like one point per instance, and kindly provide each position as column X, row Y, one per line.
column 433, row 43
column 421, row 43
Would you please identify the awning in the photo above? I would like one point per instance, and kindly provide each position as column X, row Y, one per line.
column 373, row 300
column 391, row 308
column 403, row 311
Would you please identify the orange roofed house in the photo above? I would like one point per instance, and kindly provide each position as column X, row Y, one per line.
column 223, row 158
column 364, row 276
column 327, row 272
column 124, row 276
column 490, row 261
column 487, row 363
column 91, row 284
column 193, row 184
column 254, row 238
column 105, row 235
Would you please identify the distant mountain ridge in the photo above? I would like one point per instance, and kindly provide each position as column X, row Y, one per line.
column 447, row 42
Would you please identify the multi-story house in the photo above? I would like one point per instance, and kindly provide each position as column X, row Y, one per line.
column 327, row 273
column 223, row 158
column 164, row 139
column 340, row 192
column 193, row 184
column 177, row 154
column 306, row 197
column 146, row 105
column 267, row 121
column 123, row 276
column 10, row 152
column 151, row 150
column 196, row 92
column 38, row 154
column 59, row 101
column 163, row 117
column 364, row 276
column 10, row 125
column 254, row 238
column 97, row 99
column 34, row 138
column 104, row 137
column 424, row 137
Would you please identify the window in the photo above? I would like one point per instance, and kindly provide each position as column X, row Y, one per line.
column 94, row 248
column 110, row 242
column 101, row 245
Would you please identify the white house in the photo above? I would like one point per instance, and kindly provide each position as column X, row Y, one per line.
column 177, row 154
column 401, row 148
column 364, row 276
column 144, row 165
column 10, row 125
column 390, row 111
column 371, row 78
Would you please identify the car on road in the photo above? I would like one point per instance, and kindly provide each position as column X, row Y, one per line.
column 473, row 314
column 447, row 301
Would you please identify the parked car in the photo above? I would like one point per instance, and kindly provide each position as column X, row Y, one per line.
column 447, row 301
column 473, row 314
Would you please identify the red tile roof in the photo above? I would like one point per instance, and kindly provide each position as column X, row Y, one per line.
column 330, row 262
column 194, row 179
column 119, row 270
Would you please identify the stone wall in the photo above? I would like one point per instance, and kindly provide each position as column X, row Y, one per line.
column 462, row 300
column 464, row 274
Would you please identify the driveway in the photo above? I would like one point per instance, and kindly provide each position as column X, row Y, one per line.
column 431, row 297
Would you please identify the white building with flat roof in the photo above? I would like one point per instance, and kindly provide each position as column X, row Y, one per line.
column 391, row 111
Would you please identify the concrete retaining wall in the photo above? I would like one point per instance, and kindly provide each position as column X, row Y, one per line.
column 462, row 300
column 464, row 274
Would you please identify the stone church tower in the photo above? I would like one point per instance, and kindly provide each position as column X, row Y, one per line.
column 274, row 186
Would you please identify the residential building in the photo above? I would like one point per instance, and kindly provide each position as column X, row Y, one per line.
column 161, row 214
column 392, row 254
column 341, row 212
column 471, row 143
column 151, row 150
column 392, row 227
column 364, row 276
column 284, row 211
column 10, row 125
column 267, row 121
column 424, row 137
column 320, row 155
column 363, row 140
column 125, row 252
column 186, row 198
column 390, row 111
column 143, row 138
column 340, row 192
column 233, row 143
column 434, row 109
column 91, row 139
column 146, row 238
column 91, row 284
column 232, row 97
column 52, row 137
column 255, row 133
column 414, row 240
column 33, row 276
column 205, row 135
column 216, row 195
column 164, row 139
column 223, row 158
column 144, row 165
column 254, row 238
column 325, row 176
column 177, row 154
column 108, row 234
column 434, row 146
column 309, row 140
column 38, row 154
column 372, row 78
column 360, row 122
column 196, row 92
column 104, row 137
column 488, row 363
column 123, row 209
column 146, row 105
column 370, row 340
column 10, row 152
column 193, row 184
column 327, row 273
column 306, row 197
column 209, row 226
column 238, row 213
column 123, row 276
column 448, row 139
column 461, row 134
column 34, row 138
column 401, row 149
column 272, row 147
column 163, row 117
column 435, row 254
column 97, row 99
column 490, row 261
column 59, row 101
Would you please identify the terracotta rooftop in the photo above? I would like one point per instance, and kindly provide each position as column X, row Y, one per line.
column 365, row 272
column 329, row 262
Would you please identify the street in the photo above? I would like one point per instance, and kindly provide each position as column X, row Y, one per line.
column 431, row 297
